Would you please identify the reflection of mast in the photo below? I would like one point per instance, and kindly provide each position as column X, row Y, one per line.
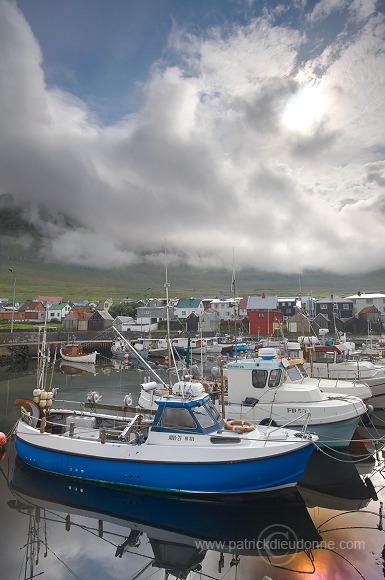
column 37, row 527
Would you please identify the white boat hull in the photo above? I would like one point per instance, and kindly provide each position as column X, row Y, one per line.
column 82, row 358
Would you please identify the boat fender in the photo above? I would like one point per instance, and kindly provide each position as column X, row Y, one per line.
column 3, row 439
column 268, row 422
column 241, row 426
column 93, row 397
column 127, row 401
column 250, row 402
column 367, row 416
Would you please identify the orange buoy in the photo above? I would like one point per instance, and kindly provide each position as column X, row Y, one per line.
column 241, row 426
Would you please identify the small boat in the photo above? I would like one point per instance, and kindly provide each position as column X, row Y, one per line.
column 74, row 353
column 121, row 349
column 186, row 448
column 276, row 390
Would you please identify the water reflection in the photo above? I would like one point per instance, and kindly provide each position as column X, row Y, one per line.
column 180, row 531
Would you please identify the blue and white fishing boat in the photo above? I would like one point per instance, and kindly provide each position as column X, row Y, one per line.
column 186, row 448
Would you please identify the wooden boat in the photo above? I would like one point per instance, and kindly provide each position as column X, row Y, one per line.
column 75, row 353
column 187, row 447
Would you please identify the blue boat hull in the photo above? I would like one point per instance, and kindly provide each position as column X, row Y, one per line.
column 198, row 478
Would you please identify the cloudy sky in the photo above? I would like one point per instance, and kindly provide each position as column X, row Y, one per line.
column 223, row 127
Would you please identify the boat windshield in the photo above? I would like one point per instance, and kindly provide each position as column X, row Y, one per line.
column 302, row 370
column 213, row 411
column 177, row 418
column 204, row 418
column 293, row 373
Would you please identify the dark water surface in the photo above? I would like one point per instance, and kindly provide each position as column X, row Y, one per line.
column 329, row 527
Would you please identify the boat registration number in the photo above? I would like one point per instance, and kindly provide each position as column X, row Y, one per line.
column 295, row 410
column 181, row 438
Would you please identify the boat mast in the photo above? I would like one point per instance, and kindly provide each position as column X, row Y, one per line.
column 233, row 288
column 167, row 285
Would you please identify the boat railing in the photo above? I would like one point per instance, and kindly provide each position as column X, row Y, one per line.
column 130, row 430
column 302, row 430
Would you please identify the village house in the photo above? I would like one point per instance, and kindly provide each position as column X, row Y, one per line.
column 210, row 322
column 100, row 320
column 368, row 320
column 31, row 310
column 123, row 323
column 287, row 306
column 187, row 306
column 361, row 300
column 76, row 319
column 152, row 312
column 49, row 300
column 105, row 304
column 263, row 314
column 226, row 308
column 334, row 306
column 58, row 311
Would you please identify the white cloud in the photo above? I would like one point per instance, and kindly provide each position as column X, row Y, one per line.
column 214, row 159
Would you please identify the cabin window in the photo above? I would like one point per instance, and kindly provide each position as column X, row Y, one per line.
column 302, row 370
column 294, row 373
column 213, row 411
column 275, row 378
column 177, row 418
column 203, row 417
column 258, row 378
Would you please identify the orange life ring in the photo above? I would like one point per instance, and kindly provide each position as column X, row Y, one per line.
column 241, row 426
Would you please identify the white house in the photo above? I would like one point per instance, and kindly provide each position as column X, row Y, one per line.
column 59, row 310
column 226, row 308
column 187, row 306
column 123, row 323
column 362, row 300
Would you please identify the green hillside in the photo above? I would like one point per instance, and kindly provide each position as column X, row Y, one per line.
column 37, row 278
column 20, row 245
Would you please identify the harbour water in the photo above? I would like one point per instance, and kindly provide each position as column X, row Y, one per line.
column 330, row 526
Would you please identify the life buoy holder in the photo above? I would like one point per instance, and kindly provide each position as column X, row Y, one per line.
column 240, row 426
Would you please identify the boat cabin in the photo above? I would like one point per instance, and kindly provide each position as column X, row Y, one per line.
column 197, row 416
column 247, row 377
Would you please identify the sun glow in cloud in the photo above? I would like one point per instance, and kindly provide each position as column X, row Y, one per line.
column 306, row 109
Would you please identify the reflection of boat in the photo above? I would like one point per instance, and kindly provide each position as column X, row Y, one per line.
column 333, row 481
column 75, row 353
column 179, row 530
column 269, row 388
column 74, row 368
column 185, row 449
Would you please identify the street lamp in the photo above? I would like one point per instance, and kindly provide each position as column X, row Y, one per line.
column 14, row 293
